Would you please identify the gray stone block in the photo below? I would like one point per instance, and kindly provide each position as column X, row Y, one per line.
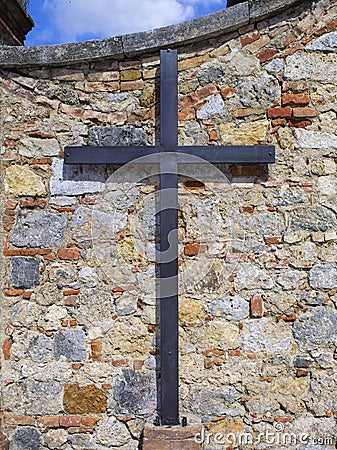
column 323, row 276
column 41, row 349
column 26, row 438
column 105, row 136
column 34, row 397
column 135, row 394
column 39, row 229
column 71, row 344
column 25, row 272
column 326, row 43
column 316, row 328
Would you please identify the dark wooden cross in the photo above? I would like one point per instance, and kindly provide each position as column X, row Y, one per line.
column 169, row 154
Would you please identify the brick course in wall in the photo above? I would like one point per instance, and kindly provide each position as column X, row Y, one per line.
column 257, row 313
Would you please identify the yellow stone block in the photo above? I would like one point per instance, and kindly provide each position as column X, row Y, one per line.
column 251, row 133
column 190, row 310
column 20, row 181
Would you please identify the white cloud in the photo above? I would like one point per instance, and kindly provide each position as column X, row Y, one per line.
column 72, row 20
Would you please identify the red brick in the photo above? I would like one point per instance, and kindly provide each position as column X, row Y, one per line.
column 120, row 362
column 213, row 135
column 273, row 240
column 289, row 318
column 15, row 252
column 274, row 113
column 27, row 295
column 138, row 364
column 235, row 352
column 89, row 421
column 13, row 292
column 297, row 123
column 10, row 204
column 247, row 209
column 332, row 25
column 70, row 421
column 19, row 420
column 96, row 349
column 301, row 373
column 66, row 209
column 194, row 184
column 305, row 112
column 194, row 249
column 291, row 50
column 69, row 254
column 256, row 306
column 267, row 54
column 204, row 92
column 187, row 114
column 49, row 421
column 249, row 38
column 10, row 212
column 132, row 85
column 71, row 292
column 301, row 99
column 283, row 419
column 213, row 352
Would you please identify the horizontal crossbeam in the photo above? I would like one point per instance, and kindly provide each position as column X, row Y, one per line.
column 259, row 154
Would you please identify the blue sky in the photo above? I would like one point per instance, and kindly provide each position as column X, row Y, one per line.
column 60, row 21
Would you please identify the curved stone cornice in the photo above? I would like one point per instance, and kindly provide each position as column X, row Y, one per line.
column 173, row 36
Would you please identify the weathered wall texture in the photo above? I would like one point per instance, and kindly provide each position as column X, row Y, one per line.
column 258, row 319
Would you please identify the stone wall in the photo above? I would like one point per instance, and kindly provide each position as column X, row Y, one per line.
column 258, row 293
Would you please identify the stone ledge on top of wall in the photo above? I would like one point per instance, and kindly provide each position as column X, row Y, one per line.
column 172, row 36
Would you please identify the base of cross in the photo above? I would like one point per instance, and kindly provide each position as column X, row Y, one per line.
column 172, row 438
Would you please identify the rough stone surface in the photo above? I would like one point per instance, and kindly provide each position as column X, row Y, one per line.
column 39, row 228
column 112, row 432
column 323, row 276
column 134, row 393
column 34, row 397
column 26, row 438
column 25, row 272
column 84, row 399
column 71, row 344
column 22, row 181
column 41, row 349
column 316, row 218
column 214, row 106
column 76, row 180
column 316, row 328
column 234, row 308
column 117, row 136
column 320, row 67
column 327, row 43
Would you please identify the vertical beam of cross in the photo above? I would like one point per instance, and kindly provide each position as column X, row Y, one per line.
column 168, row 258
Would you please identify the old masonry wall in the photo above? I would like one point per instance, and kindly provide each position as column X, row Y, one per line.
column 258, row 245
